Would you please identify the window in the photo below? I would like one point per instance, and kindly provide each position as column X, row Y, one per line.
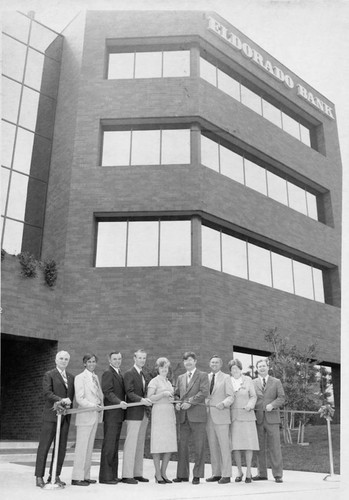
column 255, row 177
column 241, row 258
column 237, row 167
column 251, row 99
column 211, row 248
column 13, row 58
column 259, row 266
column 143, row 243
column 234, row 256
column 249, row 361
column 30, row 64
column 254, row 101
column 155, row 64
column 146, row 147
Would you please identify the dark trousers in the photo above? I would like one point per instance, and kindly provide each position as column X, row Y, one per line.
column 197, row 430
column 269, row 439
column 48, row 434
column 110, row 451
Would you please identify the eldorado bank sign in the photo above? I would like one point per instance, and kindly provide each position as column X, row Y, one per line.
column 277, row 73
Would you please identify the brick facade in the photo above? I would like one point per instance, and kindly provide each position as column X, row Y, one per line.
column 169, row 310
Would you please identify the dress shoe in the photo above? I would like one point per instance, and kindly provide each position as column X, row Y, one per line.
column 58, row 481
column 259, row 478
column 196, row 480
column 117, row 479
column 40, row 483
column 77, row 482
column 141, row 479
column 129, row 480
column 180, row 480
column 278, row 480
column 91, row 481
column 224, row 480
column 248, row 480
column 212, row 479
column 166, row 480
column 238, row 479
column 160, row 481
column 111, row 481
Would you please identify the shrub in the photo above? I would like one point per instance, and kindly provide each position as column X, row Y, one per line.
column 29, row 264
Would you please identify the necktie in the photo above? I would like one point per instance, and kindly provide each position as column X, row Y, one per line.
column 95, row 381
column 264, row 384
column 64, row 377
column 188, row 378
column 212, row 383
column 143, row 379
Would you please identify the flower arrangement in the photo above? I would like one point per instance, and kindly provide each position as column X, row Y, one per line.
column 326, row 411
column 60, row 407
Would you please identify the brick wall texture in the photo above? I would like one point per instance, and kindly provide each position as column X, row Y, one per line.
column 169, row 310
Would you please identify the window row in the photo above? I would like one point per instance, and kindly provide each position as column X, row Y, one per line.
column 235, row 89
column 149, row 64
column 26, row 65
column 128, row 243
column 28, row 31
column 173, row 146
column 241, row 258
column 143, row 243
column 235, row 166
column 27, row 107
column 146, row 147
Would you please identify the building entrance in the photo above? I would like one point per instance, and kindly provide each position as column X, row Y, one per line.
column 24, row 360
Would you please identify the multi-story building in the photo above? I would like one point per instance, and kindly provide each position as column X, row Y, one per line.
column 188, row 186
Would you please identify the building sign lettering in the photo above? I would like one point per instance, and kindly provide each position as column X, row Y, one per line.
column 266, row 65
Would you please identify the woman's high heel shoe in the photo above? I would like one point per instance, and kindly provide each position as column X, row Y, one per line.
column 166, row 480
column 238, row 479
column 159, row 481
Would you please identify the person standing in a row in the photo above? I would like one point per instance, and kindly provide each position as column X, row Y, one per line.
column 136, row 384
column 270, row 396
column 243, row 420
column 192, row 389
column 88, row 394
column 218, row 422
column 114, row 394
column 163, row 438
column 58, row 386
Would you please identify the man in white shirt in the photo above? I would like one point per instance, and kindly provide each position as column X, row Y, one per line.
column 221, row 396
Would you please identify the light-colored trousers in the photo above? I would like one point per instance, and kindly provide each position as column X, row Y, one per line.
column 132, row 465
column 85, row 438
column 219, row 443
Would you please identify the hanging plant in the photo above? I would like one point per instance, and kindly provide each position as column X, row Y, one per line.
column 29, row 265
column 50, row 272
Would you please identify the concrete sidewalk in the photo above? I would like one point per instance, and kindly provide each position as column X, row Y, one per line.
column 17, row 482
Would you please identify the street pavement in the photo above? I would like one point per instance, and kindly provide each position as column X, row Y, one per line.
column 17, row 482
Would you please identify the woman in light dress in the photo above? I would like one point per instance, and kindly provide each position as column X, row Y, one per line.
column 243, row 427
column 163, row 420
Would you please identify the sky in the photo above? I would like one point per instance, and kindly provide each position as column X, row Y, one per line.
column 310, row 37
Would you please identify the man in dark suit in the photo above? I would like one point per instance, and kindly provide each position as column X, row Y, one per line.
column 58, row 386
column 192, row 388
column 136, row 383
column 270, row 396
column 114, row 394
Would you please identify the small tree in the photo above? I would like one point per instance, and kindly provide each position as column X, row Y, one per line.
column 297, row 371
